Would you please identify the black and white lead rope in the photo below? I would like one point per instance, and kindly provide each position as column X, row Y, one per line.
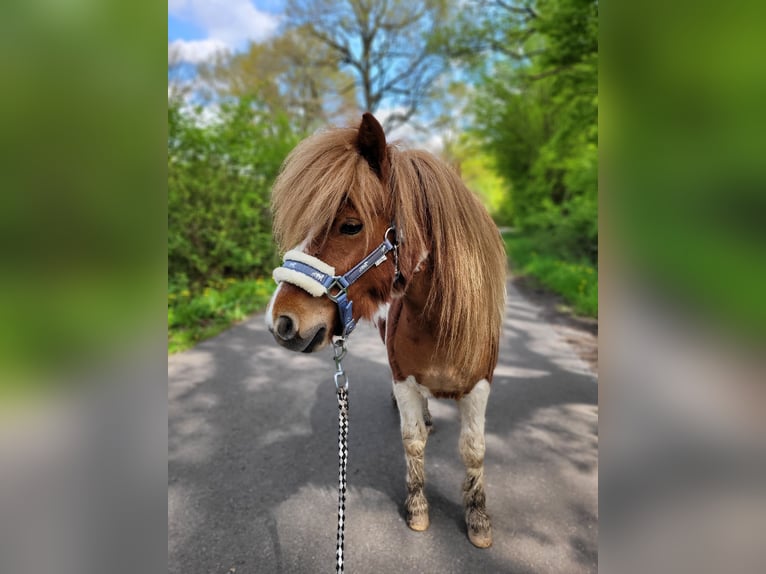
column 341, row 384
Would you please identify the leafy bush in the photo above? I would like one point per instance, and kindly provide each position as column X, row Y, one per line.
column 220, row 172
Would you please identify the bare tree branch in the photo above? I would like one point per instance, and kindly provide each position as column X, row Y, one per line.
column 382, row 42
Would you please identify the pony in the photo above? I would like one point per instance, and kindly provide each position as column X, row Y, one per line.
column 436, row 289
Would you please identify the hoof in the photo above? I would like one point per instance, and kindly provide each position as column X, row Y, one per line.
column 419, row 522
column 481, row 539
column 479, row 528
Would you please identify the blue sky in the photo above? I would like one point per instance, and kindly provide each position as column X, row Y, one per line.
column 199, row 28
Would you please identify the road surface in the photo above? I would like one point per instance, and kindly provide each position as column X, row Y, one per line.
column 253, row 469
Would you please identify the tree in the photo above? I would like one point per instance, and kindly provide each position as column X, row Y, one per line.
column 385, row 44
column 178, row 72
column 500, row 29
column 537, row 111
column 291, row 74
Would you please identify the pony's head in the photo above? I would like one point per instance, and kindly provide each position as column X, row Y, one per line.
column 331, row 202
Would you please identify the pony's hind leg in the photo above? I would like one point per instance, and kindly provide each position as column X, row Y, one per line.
column 414, row 435
column 472, row 409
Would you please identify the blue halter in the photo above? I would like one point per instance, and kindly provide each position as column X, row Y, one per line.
column 336, row 286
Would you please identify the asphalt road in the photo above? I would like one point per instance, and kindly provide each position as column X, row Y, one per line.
column 253, row 469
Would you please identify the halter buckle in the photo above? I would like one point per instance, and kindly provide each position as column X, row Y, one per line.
column 336, row 289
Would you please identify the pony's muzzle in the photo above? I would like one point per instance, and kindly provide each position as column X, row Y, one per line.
column 286, row 333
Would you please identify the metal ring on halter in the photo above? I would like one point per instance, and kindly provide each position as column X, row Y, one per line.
column 336, row 290
column 395, row 243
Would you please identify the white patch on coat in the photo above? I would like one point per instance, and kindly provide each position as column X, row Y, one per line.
column 417, row 387
column 270, row 309
column 381, row 314
column 303, row 244
column 473, row 407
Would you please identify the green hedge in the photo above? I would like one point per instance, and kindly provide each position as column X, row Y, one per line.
column 576, row 282
column 220, row 172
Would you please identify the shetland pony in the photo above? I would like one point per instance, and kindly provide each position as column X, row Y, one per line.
column 438, row 300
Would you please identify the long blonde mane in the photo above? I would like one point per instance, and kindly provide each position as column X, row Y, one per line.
column 434, row 213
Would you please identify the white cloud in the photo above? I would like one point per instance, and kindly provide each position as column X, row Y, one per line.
column 195, row 51
column 230, row 22
column 175, row 6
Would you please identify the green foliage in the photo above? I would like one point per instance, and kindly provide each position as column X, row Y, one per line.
column 577, row 283
column 193, row 318
column 537, row 112
column 478, row 171
column 219, row 177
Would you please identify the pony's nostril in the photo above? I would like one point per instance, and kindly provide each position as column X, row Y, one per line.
column 285, row 327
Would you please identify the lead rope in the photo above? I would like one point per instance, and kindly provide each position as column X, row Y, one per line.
column 341, row 384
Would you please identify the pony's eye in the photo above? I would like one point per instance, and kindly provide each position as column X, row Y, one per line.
column 351, row 228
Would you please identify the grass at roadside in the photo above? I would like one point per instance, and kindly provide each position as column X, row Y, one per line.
column 195, row 317
column 577, row 283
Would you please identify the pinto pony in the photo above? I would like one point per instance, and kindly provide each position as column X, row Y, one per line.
column 436, row 292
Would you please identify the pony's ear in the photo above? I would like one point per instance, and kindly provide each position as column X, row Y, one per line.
column 371, row 143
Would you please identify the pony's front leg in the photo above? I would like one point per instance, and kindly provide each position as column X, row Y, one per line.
column 472, row 409
column 414, row 435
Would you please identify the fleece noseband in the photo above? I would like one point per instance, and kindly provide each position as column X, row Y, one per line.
column 318, row 278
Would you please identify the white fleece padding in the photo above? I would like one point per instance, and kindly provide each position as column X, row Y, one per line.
column 311, row 286
column 318, row 264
